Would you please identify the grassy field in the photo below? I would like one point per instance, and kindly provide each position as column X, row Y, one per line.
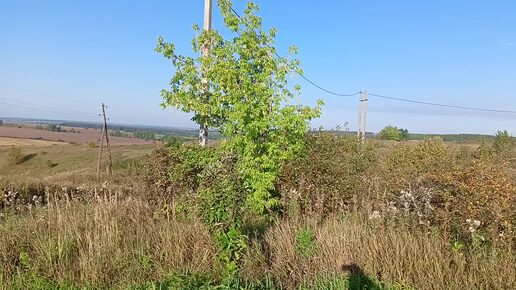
column 9, row 141
column 384, row 215
column 64, row 162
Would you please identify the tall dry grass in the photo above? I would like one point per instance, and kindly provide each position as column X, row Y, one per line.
column 103, row 244
column 114, row 244
column 394, row 255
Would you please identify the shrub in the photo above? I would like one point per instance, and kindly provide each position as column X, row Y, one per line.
column 327, row 177
column 503, row 144
column 404, row 164
column 428, row 185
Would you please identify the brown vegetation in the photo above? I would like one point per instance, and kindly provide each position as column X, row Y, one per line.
column 419, row 215
column 85, row 135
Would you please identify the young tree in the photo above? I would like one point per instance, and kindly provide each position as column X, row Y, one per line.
column 404, row 134
column 503, row 143
column 390, row 133
column 246, row 95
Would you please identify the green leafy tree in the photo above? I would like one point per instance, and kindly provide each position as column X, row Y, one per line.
column 404, row 134
column 394, row 133
column 390, row 133
column 246, row 96
column 240, row 87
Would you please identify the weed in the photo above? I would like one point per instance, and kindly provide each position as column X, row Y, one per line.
column 305, row 243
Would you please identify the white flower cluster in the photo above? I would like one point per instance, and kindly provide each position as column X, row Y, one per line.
column 416, row 201
column 10, row 197
column 473, row 225
column 375, row 215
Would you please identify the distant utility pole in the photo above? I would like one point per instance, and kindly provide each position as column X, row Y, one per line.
column 362, row 116
column 104, row 133
column 203, row 129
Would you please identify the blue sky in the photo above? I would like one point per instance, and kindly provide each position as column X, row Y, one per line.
column 460, row 52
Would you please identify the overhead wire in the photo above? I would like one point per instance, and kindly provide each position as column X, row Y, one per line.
column 388, row 97
column 42, row 109
column 302, row 75
column 443, row 105
column 59, row 109
column 47, row 95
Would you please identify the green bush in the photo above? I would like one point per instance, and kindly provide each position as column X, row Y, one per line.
column 503, row 144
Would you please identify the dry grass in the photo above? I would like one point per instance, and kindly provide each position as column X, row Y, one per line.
column 112, row 244
column 129, row 240
column 107, row 243
column 395, row 256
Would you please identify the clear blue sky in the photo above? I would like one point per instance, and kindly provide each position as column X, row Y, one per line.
column 461, row 52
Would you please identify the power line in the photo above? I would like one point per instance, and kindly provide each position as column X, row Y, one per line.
column 301, row 74
column 42, row 109
column 47, row 95
column 444, row 105
column 47, row 107
column 386, row 97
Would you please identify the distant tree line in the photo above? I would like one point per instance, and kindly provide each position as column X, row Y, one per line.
column 118, row 133
column 146, row 135
column 398, row 134
column 56, row 128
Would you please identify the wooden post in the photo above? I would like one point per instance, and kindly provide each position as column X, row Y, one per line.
column 203, row 129
column 100, row 151
column 110, row 168
column 104, row 133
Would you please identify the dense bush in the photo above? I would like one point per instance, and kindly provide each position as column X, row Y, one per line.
column 328, row 177
column 429, row 185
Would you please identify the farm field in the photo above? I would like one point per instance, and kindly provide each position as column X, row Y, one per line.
column 86, row 135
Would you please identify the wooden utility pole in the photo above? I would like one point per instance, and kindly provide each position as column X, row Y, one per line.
column 100, row 151
column 104, row 133
column 362, row 116
column 359, row 124
column 203, row 129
